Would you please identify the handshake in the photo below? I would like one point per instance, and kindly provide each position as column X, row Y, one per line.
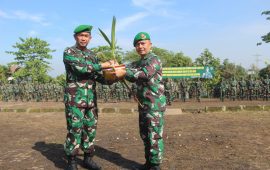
column 112, row 71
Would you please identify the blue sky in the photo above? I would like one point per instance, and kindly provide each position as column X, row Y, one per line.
column 228, row 28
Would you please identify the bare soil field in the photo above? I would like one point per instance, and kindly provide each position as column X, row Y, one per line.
column 221, row 140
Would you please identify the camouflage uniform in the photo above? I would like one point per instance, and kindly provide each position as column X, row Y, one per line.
column 266, row 83
column 82, row 72
column 222, row 90
column 198, row 89
column 168, row 88
column 147, row 73
column 242, row 87
column 233, row 89
column 184, row 90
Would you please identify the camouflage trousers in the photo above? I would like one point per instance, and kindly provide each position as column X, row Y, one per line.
column 81, row 126
column 151, row 131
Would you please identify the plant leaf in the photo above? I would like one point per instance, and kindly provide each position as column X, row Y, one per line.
column 113, row 33
column 105, row 37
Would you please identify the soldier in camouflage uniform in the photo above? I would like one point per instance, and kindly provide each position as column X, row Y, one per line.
column 105, row 92
column 198, row 89
column 266, row 84
column 184, row 90
column 242, row 88
column 168, row 89
column 118, row 91
column 222, row 88
column 250, row 88
column 147, row 73
column 257, row 88
column 82, row 72
column 233, row 89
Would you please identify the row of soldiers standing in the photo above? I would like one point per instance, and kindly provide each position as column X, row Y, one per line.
column 31, row 92
column 250, row 89
column 244, row 89
column 183, row 89
column 116, row 92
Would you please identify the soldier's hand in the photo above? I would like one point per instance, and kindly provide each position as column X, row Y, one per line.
column 109, row 64
column 121, row 73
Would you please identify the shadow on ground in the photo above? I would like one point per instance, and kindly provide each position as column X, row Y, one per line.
column 55, row 153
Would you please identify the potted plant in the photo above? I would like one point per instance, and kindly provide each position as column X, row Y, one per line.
column 112, row 73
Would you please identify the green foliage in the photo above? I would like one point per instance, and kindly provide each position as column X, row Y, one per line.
column 112, row 42
column 230, row 70
column 104, row 53
column 180, row 60
column 265, row 38
column 3, row 73
column 32, row 56
column 130, row 56
column 165, row 56
column 265, row 71
column 61, row 79
column 207, row 59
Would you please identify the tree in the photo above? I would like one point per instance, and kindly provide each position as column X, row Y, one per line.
column 180, row 60
column 130, row 56
column 265, row 38
column 3, row 73
column 104, row 53
column 229, row 70
column 32, row 56
column 165, row 56
column 207, row 59
column 61, row 79
column 265, row 71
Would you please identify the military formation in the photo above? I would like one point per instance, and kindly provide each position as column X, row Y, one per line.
column 244, row 89
column 116, row 92
column 38, row 92
column 182, row 90
column 31, row 92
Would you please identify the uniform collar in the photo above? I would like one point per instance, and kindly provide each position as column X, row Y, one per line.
column 147, row 56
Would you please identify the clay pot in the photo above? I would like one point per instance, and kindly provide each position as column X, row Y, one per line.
column 113, row 73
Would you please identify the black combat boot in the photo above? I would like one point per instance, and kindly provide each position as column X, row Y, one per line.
column 89, row 163
column 144, row 166
column 72, row 164
column 149, row 166
column 154, row 167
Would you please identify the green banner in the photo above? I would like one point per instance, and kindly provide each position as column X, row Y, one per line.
column 188, row 72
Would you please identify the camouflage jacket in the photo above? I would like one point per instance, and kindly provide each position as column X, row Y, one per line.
column 147, row 74
column 82, row 72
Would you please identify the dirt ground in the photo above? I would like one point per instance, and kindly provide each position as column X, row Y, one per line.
column 225, row 140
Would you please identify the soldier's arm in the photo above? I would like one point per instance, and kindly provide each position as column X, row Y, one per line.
column 147, row 72
column 130, row 71
column 79, row 65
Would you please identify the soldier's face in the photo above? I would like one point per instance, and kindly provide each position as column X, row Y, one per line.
column 82, row 39
column 143, row 47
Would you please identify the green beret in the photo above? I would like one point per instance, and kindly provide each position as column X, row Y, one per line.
column 141, row 36
column 83, row 28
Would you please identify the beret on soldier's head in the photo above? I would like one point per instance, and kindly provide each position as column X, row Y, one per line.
column 83, row 28
column 141, row 36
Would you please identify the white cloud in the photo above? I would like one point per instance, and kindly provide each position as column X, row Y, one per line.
column 163, row 8
column 150, row 5
column 128, row 21
column 32, row 33
column 22, row 15
column 4, row 15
